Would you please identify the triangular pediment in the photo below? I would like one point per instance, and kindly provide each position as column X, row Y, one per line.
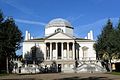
column 59, row 36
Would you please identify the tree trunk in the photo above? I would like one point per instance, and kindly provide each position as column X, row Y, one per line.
column 7, row 65
column 110, row 66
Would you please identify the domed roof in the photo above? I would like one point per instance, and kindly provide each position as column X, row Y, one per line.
column 59, row 22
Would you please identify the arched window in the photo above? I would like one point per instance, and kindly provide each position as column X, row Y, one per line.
column 85, row 49
column 58, row 30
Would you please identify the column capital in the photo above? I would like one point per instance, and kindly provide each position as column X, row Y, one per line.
column 67, row 42
column 73, row 42
column 62, row 42
column 47, row 42
column 56, row 42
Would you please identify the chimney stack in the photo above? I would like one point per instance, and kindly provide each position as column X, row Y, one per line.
column 90, row 35
column 27, row 36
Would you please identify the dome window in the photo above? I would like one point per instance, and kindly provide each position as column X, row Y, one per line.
column 58, row 30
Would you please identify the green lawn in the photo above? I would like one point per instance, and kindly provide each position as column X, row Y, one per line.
column 115, row 73
column 3, row 74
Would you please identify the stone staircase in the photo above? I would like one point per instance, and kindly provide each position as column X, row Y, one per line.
column 90, row 66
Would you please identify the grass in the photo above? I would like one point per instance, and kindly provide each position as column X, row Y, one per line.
column 115, row 73
column 3, row 74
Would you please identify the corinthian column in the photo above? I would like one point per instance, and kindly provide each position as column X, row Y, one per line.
column 56, row 51
column 50, row 51
column 45, row 52
column 73, row 50
column 68, row 50
column 62, row 49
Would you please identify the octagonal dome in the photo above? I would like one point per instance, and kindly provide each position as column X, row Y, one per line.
column 59, row 22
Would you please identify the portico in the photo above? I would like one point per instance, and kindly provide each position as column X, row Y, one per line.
column 60, row 50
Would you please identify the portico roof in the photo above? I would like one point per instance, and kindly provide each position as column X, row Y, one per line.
column 64, row 36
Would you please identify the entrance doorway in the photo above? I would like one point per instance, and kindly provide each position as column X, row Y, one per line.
column 59, row 67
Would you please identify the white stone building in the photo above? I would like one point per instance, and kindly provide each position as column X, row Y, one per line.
column 59, row 45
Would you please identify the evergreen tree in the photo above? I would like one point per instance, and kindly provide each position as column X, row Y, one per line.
column 105, row 46
column 10, row 39
column 117, row 40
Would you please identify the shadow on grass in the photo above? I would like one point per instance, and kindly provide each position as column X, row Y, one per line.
column 89, row 78
column 20, row 79
column 4, row 74
column 115, row 73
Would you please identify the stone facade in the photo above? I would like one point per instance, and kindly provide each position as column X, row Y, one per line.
column 59, row 45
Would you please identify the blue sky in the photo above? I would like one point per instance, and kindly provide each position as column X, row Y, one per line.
column 84, row 15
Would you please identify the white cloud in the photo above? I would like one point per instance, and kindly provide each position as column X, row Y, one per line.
column 29, row 22
column 19, row 5
column 100, row 22
column 73, row 19
column 96, row 26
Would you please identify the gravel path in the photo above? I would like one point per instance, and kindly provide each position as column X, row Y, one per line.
column 62, row 76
